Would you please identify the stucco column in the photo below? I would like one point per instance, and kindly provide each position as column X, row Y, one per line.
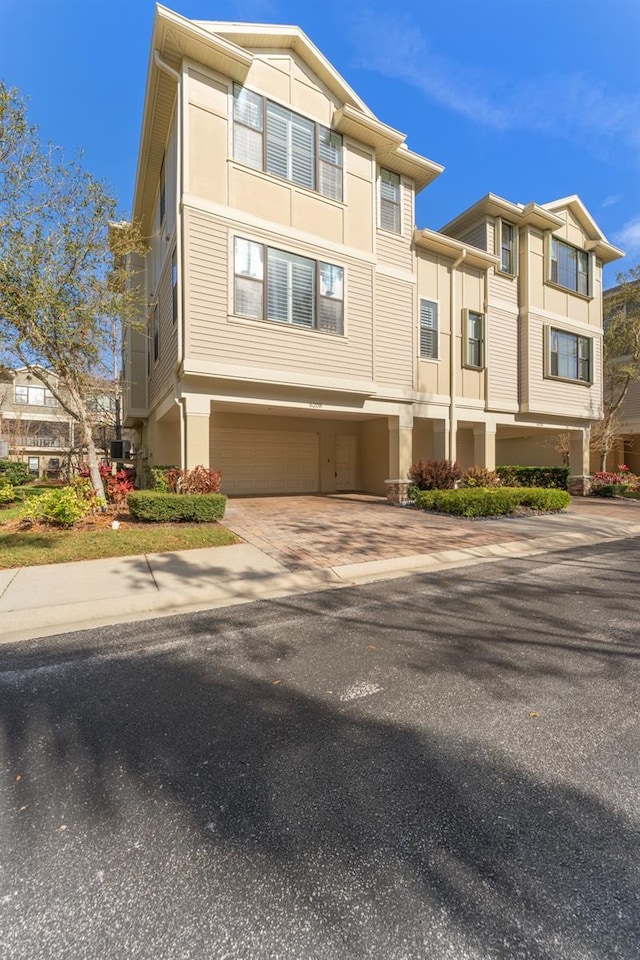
column 579, row 462
column 441, row 440
column 484, row 446
column 400, row 446
column 196, row 411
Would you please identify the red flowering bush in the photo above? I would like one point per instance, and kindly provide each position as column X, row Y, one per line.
column 199, row 480
column 116, row 486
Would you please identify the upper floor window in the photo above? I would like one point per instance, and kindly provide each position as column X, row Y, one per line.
column 428, row 330
column 163, row 194
column 174, row 288
column 570, row 267
column 275, row 285
column 507, row 246
column 272, row 138
column 569, row 356
column 35, row 396
column 156, row 334
column 390, row 218
column 474, row 340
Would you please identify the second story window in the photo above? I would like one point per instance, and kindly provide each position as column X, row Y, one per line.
column 507, row 247
column 570, row 267
column 474, row 337
column 428, row 330
column 569, row 356
column 163, row 195
column 275, row 285
column 174, row 288
column 390, row 218
column 35, row 396
column 269, row 137
column 156, row 334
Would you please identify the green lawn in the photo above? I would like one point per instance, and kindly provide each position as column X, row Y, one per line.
column 28, row 548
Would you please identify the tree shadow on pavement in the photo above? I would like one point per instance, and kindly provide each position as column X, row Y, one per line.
column 418, row 828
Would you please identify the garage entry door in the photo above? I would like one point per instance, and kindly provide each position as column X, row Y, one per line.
column 266, row 461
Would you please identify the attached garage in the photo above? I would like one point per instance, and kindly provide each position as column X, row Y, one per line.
column 266, row 461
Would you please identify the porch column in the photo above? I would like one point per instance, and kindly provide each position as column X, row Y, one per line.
column 441, row 440
column 484, row 446
column 400, row 456
column 196, row 411
column 579, row 480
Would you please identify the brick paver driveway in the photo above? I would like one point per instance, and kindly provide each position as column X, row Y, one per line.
column 307, row 532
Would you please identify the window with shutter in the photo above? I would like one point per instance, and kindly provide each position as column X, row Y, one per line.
column 475, row 339
column 428, row 330
column 569, row 356
column 292, row 289
column 272, row 138
column 390, row 201
column 570, row 267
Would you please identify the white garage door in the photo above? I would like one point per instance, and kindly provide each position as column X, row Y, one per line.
column 266, row 461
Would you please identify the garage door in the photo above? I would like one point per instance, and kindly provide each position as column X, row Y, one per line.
column 266, row 461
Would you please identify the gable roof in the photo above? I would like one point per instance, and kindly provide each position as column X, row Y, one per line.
column 223, row 47
column 597, row 241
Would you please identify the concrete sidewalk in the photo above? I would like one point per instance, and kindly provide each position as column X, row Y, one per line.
column 40, row 601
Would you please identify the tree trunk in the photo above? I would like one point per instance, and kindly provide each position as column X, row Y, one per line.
column 92, row 457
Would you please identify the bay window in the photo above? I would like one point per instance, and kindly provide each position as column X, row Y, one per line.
column 284, row 287
column 272, row 138
column 569, row 356
column 570, row 267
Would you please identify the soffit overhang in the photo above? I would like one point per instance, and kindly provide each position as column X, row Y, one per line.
column 451, row 249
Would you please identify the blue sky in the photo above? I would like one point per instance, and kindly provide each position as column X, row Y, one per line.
column 529, row 99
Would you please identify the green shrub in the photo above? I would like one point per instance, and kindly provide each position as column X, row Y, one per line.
column 62, row 507
column 153, row 505
column 156, row 477
column 554, row 477
column 491, row 501
column 7, row 493
column 435, row 474
column 609, row 489
column 632, row 494
column 14, row 472
column 479, row 477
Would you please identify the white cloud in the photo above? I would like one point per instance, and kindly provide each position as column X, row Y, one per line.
column 570, row 105
column 628, row 237
column 610, row 201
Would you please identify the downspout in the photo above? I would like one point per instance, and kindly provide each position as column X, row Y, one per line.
column 165, row 68
column 453, row 357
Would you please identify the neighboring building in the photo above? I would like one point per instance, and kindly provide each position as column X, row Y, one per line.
column 627, row 448
column 38, row 430
column 302, row 334
column 34, row 426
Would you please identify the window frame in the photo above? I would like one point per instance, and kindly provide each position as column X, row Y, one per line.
column 155, row 332
column 396, row 203
column 467, row 315
column 500, row 244
column 435, row 330
column 317, row 164
column 174, row 287
column 317, row 325
column 580, row 339
column 556, row 282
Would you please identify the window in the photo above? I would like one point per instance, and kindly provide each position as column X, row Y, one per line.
column 507, row 239
column 569, row 356
column 570, row 267
column 34, row 466
column 390, row 201
column 174, row 288
column 272, row 138
column 428, row 330
column 287, row 288
column 475, row 339
column 163, row 194
column 35, row 396
column 156, row 335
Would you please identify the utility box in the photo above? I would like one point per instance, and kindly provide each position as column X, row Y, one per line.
column 120, row 449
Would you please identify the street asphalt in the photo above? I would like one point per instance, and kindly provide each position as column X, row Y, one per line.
column 439, row 767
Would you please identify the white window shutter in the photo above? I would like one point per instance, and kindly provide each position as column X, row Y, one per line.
column 277, row 140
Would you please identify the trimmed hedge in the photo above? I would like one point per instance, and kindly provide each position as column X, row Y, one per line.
column 159, row 507
column 491, row 501
column 14, row 472
column 609, row 490
column 550, row 477
column 632, row 494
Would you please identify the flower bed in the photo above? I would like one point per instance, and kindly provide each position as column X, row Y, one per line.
column 493, row 501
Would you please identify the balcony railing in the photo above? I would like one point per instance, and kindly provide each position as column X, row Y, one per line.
column 48, row 442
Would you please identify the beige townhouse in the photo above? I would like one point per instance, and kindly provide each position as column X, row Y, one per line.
column 33, row 426
column 302, row 334
column 627, row 447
